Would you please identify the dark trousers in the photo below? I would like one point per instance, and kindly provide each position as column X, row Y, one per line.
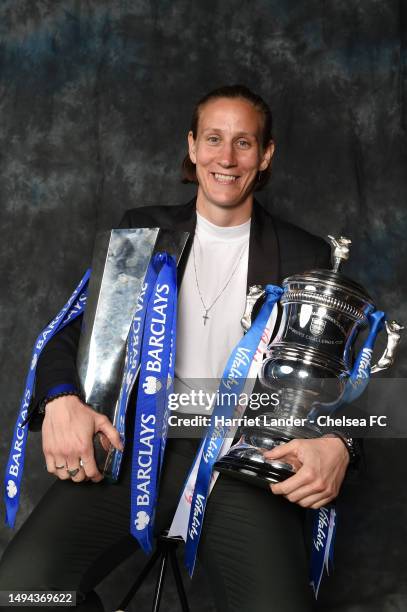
column 252, row 544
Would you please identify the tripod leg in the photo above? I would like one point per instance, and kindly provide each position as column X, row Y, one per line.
column 178, row 581
column 140, row 579
column 160, row 580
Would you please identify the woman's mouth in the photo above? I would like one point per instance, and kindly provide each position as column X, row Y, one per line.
column 225, row 179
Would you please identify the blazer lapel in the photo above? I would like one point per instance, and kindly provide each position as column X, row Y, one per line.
column 264, row 253
column 184, row 217
column 186, row 221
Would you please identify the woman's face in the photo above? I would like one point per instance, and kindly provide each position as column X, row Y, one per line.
column 228, row 151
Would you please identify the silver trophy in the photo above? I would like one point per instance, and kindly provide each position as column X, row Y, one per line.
column 119, row 265
column 307, row 365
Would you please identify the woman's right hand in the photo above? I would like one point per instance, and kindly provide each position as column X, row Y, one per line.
column 67, row 438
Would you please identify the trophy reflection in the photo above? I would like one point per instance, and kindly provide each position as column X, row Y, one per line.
column 309, row 364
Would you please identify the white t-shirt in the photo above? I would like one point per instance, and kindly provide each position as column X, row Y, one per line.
column 220, row 272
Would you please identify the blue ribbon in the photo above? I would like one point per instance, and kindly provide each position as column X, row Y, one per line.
column 323, row 537
column 151, row 421
column 15, row 465
column 233, row 380
column 359, row 376
column 324, row 521
column 170, row 382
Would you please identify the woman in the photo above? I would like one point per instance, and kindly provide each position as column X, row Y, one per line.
column 252, row 545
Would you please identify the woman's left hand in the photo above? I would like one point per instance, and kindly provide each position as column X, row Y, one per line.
column 321, row 466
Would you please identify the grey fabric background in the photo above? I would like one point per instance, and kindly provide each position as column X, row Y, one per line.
column 95, row 102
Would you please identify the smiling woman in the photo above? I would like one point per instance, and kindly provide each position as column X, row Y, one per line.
column 81, row 529
column 228, row 154
column 230, row 143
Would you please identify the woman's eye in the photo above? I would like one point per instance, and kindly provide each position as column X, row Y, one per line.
column 213, row 139
column 243, row 143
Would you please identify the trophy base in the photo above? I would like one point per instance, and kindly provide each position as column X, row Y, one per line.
column 108, row 461
column 245, row 459
column 259, row 473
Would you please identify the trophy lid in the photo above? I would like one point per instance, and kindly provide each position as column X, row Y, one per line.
column 332, row 287
column 331, row 280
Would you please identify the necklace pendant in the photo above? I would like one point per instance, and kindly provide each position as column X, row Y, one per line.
column 205, row 317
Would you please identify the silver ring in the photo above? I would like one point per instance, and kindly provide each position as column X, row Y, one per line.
column 82, row 463
column 72, row 473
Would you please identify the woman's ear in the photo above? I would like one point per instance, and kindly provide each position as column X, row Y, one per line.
column 267, row 156
column 191, row 147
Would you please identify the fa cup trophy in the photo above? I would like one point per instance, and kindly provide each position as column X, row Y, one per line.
column 310, row 364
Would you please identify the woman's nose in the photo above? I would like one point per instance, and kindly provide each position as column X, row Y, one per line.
column 227, row 156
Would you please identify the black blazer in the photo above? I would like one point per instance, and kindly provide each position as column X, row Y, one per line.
column 277, row 249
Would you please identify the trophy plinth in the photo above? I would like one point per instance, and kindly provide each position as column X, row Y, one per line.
column 245, row 459
column 307, row 365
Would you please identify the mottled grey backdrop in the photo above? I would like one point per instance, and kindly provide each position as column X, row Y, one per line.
column 95, row 100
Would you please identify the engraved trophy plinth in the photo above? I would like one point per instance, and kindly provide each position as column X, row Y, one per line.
column 119, row 265
column 307, row 365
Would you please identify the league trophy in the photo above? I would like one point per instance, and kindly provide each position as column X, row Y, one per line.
column 119, row 265
column 308, row 365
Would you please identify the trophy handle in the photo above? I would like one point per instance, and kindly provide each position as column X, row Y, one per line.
column 254, row 294
column 393, row 330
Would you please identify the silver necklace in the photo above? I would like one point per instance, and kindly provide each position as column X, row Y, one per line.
column 221, row 292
